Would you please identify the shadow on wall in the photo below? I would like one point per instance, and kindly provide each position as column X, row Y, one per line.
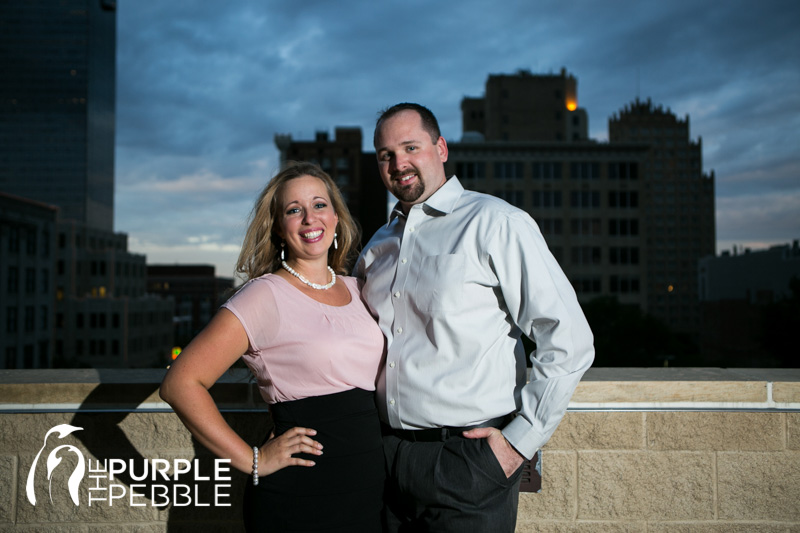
column 104, row 437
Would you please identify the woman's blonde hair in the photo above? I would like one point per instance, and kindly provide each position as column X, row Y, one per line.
column 261, row 250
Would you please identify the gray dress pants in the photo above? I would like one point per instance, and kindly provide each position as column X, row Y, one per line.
column 456, row 485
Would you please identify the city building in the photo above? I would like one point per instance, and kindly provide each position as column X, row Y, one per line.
column 57, row 97
column 104, row 316
column 57, row 120
column 749, row 306
column 196, row 292
column 526, row 107
column 753, row 276
column 677, row 200
column 27, row 268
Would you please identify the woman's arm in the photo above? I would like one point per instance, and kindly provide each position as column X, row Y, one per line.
column 185, row 388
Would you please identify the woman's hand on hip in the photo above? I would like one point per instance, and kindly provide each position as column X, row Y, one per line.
column 278, row 452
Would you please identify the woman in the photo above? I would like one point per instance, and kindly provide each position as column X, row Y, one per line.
column 315, row 351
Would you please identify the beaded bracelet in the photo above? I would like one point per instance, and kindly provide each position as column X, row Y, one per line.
column 255, row 465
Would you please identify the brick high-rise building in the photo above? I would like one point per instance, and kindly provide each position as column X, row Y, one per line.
column 678, row 209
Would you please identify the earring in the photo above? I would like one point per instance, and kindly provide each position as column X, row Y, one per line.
column 335, row 242
column 283, row 257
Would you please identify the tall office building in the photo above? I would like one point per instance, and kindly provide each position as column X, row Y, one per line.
column 57, row 100
column 57, row 94
column 678, row 209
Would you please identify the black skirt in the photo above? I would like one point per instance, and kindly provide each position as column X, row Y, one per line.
column 343, row 491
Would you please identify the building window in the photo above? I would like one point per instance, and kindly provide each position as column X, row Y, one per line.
column 12, row 283
column 546, row 170
column 27, row 356
column 11, row 357
column 623, row 171
column 30, row 280
column 623, row 199
column 546, row 198
column 585, row 226
column 623, row 255
column 515, row 198
column 624, row 284
column 508, row 170
column 471, row 169
column 30, row 318
column 586, row 255
column 43, row 349
column 623, row 227
column 584, row 170
column 584, row 199
column 588, row 285
column 11, row 319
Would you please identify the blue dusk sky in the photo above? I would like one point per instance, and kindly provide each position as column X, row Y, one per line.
column 203, row 87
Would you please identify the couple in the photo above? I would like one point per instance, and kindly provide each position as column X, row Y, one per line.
column 453, row 280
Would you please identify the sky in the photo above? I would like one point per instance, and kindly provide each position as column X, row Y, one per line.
column 203, row 86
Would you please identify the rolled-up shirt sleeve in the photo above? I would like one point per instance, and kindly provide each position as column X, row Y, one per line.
column 541, row 302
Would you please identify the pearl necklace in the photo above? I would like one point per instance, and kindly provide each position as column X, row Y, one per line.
column 317, row 286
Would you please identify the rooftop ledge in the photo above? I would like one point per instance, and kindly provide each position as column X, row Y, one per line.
column 601, row 389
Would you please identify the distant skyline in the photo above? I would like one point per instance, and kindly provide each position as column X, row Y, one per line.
column 203, row 87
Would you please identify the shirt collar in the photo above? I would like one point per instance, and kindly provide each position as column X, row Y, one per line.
column 443, row 200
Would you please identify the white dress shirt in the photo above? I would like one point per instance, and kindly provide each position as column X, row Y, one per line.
column 453, row 286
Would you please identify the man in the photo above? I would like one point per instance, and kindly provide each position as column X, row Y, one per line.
column 454, row 279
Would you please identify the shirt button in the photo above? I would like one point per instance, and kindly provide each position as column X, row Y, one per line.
column 391, row 365
column 397, row 294
column 391, row 402
column 404, row 260
column 399, row 330
column 411, row 229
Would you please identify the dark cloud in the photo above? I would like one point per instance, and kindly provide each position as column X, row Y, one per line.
column 203, row 87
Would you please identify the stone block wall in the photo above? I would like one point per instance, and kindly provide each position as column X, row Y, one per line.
column 656, row 450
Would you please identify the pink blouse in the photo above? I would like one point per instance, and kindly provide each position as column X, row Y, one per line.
column 300, row 347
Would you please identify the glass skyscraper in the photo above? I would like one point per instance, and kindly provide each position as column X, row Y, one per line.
column 57, row 94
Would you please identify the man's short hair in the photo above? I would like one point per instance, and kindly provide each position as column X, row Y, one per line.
column 429, row 122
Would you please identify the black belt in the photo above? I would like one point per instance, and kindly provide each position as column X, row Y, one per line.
column 441, row 434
